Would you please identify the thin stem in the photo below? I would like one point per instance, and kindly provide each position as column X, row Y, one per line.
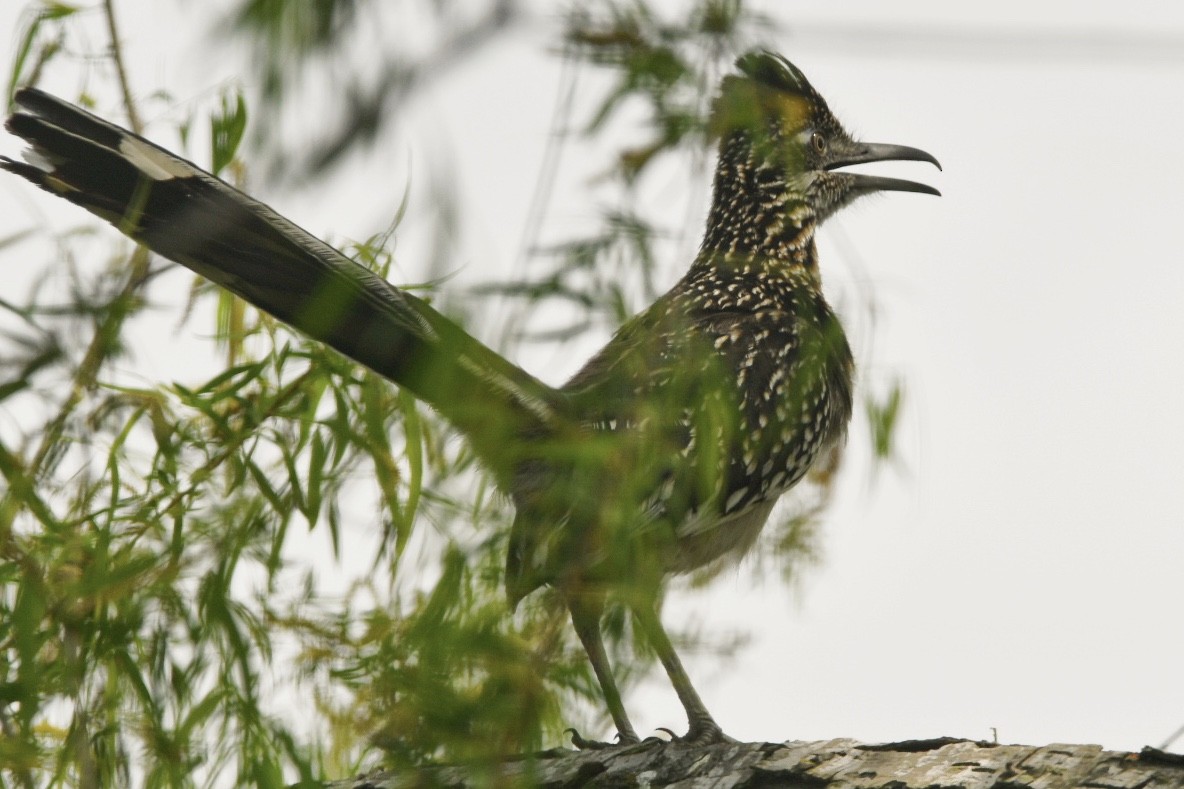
column 133, row 115
column 1175, row 736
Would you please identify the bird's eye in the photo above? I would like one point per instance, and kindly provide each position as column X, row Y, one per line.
column 818, row 142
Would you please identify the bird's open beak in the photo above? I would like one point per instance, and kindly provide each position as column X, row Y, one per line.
column 864, row 152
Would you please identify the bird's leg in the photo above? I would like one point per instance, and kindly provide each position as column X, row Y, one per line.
column 703, row 729
column 585, row 617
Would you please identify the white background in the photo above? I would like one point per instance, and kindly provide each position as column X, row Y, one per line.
column 1021, row 570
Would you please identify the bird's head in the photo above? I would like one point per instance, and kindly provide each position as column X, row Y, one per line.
column 771, row 115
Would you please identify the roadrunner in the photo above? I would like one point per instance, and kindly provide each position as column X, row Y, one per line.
column 668, row 450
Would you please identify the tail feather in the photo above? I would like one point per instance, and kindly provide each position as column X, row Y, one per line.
column 190, row 216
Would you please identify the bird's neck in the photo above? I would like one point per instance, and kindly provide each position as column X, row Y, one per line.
column 757, row 220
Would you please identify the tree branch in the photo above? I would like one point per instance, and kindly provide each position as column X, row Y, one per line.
column 940, row 762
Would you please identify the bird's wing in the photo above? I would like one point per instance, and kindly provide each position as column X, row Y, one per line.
column 667, row 426
column 194, row 218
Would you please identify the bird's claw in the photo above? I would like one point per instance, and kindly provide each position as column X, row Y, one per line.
column 702, row 733
column 596, row 745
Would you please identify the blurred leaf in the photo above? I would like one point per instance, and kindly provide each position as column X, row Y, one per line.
column 882, row 419
column 19, row 73
column 226, row 131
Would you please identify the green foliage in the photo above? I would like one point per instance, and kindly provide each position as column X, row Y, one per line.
column 882, row 418
column 671, row 66
column 289, row 31
column 32, row 53
column 226, row 132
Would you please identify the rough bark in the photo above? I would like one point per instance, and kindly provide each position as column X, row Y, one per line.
column 944, row 762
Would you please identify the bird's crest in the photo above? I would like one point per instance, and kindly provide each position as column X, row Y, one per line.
column 769, row 98
column 774, row 71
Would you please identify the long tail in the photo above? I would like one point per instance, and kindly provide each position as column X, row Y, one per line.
column 192, row 217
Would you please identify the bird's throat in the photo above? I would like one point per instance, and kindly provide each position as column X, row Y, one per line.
column 759, row 217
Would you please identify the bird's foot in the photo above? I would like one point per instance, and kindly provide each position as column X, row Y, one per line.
column 703, row 732
column 623, row 739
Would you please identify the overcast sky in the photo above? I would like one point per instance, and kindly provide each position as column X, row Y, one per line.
column 1021, row 571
